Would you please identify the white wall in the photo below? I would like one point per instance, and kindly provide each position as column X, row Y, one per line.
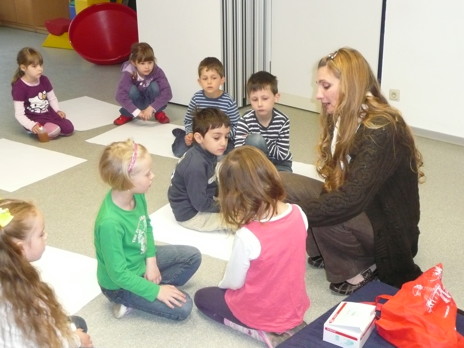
column 423, row 52
column 424, row 59
column 304, row 31
column 182, row 33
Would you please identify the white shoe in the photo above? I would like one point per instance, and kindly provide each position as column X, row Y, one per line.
column 119, row 310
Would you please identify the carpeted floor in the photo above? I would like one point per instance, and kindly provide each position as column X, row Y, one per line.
column 71, row 196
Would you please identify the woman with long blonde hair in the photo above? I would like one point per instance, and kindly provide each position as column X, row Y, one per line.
column 364, row 217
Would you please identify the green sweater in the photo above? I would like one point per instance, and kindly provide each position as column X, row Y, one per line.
column 123, row 242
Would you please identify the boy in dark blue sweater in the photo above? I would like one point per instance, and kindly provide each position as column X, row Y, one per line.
column 193, row 189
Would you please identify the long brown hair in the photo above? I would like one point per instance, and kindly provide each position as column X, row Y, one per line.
column 36, row 311
column 26, row 56
column 249, row 186
column 360, row 101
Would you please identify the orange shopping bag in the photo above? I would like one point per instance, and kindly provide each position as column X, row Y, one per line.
column 421, row 314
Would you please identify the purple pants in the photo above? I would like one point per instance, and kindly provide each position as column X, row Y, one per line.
column 211, row 302
column 67, row 128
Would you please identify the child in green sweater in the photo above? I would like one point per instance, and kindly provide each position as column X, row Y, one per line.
column 132, row 271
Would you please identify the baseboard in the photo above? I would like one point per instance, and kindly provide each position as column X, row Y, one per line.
column 447, row 138
column 299, row 102
column 27, row 27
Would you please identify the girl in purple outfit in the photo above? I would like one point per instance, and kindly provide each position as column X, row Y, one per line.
column 35, row 103
column 143, row 90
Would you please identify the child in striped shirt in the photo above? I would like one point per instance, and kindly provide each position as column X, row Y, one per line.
column 211, row 78
column 264, row 126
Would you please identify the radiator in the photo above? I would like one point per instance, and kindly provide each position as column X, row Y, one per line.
column 246, row 43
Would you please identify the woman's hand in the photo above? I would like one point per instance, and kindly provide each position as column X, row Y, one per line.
column 86, row 340
column 171, row 296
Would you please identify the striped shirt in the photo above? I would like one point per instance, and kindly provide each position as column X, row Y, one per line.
column 276, row 135
column 224, row 103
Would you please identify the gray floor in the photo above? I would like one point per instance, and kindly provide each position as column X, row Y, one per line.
column 70, row 200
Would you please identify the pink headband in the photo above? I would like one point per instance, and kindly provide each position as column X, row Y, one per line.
column 133, row 158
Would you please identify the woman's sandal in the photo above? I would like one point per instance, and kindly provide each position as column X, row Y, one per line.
column 345, row 288
column 316, row 261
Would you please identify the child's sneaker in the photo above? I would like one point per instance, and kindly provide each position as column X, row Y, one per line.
column 293, row 331
column 122, row 120
column 161, row 117
column 178, row 132
column 272, row 339
column 119, row 310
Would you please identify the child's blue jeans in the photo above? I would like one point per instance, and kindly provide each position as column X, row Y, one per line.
column 142, row 99
column 177, row 264
column 258, row 141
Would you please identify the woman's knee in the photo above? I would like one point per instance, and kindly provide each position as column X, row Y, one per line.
column 300, row 188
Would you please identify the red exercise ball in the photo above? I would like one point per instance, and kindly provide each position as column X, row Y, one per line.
column 104, row 33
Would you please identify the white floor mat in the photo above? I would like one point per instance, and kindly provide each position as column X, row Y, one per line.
column 72, row 276
column 306, row 170
column 23, row 164
column 215, row 244
column 156, row 137
column 88, row 113
column 167, row 230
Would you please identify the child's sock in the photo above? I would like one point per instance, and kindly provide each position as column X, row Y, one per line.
column 256, row 334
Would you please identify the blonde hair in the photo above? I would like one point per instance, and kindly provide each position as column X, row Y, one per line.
column 360, row 100
column 26, row 56
column 36, row 311
column 249, row 186
column 119, row 161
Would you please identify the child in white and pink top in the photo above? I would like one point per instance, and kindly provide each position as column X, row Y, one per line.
column 263, row 292
column 35, row 102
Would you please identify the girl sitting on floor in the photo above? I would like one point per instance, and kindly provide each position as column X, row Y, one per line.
column 132, row 271
column 263, row 292
column 30, row 314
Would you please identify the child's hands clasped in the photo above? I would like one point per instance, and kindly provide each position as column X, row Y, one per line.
column 171, row 296
column 147, row 113
column 62, row 114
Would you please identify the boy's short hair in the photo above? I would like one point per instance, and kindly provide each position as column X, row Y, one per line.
column 260, row 80
column 209, row 118
column 142, row 52
column 211, row 63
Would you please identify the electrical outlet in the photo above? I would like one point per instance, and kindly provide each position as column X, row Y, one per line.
column 394, row 94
